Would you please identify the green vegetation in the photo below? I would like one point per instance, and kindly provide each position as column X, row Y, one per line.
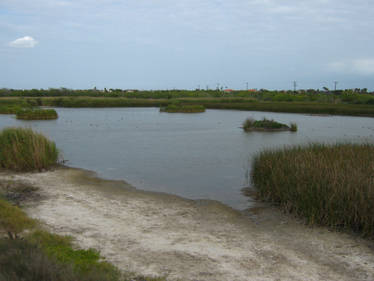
column 10, row 109
column 266, row 125
column 13, row 220
column 37, row 114
column 330, row 185
column 24, row 150
column 235, row 102
column 83, row 262
column 183, row 108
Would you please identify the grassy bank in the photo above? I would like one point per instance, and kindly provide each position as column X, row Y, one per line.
column 24, row 150
column 183, row 108
column 267, row 125
column 234, row 103
column 326, row 184
column 37, row 114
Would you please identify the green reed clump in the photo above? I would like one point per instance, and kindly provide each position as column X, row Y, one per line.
column 183, row 108
column 266, row 125
column 24, row 150
column 37, row 114
column 331, row 185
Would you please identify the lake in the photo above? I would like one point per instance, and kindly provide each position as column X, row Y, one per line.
column 197, row 156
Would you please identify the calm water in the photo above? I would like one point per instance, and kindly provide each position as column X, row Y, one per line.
column 198, row 156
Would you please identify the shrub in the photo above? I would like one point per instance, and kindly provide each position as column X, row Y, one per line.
column 248, row 124
column 37, row 114
column 13, row 220
column 330, row 185
column 25, row 150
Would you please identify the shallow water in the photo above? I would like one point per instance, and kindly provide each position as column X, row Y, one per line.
column 198, row 156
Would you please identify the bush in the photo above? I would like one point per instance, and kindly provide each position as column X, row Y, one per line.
column 13, row 220
column 37, row 114
column 24, row 150
column 326, row 184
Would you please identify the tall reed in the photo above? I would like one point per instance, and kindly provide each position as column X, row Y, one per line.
column 330, row 185
column 24, row 150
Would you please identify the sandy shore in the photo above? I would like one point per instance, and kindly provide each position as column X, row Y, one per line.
column 165, row 235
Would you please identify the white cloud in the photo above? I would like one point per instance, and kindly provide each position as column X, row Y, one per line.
column 355, row 66
column 24, row 42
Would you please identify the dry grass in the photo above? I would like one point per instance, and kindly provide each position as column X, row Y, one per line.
column 331, row 185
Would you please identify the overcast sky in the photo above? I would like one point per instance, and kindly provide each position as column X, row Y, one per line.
column 165, row 44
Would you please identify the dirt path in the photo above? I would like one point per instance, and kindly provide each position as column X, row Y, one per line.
column 165, row 235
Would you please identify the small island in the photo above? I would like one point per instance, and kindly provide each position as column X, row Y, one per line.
column 37, row 114
column 267, row 125
column 182, row 108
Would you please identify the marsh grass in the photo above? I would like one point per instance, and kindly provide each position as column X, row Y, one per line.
column 36, row 114
column 24, row 150
column 330, row 185
column 183, row 108
column 10, row 109
column 250, row 103
column 266, row 125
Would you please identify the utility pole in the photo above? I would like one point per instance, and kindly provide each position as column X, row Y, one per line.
column 294, row 86
column 247, row 85
column 335, row 83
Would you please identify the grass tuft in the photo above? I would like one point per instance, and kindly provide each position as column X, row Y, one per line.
column 24, row 150
column 330, row 185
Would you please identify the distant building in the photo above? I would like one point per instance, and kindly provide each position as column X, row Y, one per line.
column 228, row 90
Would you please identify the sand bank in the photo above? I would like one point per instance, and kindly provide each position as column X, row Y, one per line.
column 165, row 235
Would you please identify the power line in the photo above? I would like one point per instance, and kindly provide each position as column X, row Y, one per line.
column 294, row 86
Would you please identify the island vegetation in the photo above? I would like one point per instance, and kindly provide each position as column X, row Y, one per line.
column 327, row 184
column 270, row 125
column 36, row 114
column 183, row 108
column 24, row 150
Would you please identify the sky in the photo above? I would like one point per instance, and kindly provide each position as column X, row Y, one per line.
column 186, row 44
